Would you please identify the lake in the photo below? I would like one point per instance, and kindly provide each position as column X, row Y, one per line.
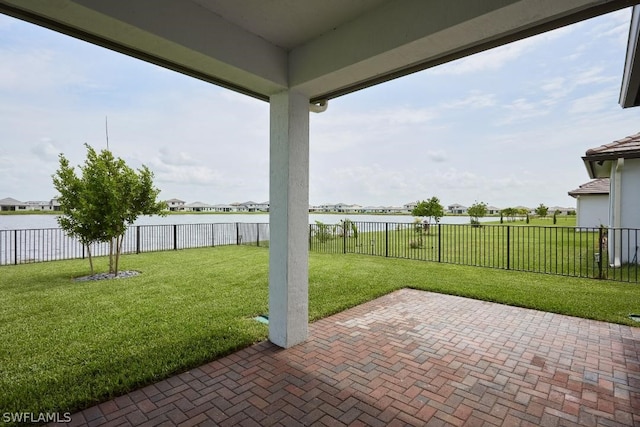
column 20, row 222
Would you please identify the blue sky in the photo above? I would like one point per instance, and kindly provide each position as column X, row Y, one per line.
column 506, row 127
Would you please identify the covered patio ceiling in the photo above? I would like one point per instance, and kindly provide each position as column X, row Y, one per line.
column 321, row 49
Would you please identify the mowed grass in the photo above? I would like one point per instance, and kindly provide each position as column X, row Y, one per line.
column 67, row 345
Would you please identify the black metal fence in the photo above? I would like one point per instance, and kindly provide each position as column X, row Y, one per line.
column 603, row 253
column 37, row 245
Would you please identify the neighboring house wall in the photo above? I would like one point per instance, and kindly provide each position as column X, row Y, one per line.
column 623, row 245
column 620, row 162
column 593, row 210
column 631, row 194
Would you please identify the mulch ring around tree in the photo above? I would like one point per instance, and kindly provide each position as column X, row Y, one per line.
column 108, row 276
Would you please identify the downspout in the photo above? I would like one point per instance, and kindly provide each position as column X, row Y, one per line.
column 617, row 214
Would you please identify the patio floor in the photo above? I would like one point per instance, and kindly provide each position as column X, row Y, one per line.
column 409, row 358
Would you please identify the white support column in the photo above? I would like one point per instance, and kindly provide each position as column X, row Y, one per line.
column 289, row 219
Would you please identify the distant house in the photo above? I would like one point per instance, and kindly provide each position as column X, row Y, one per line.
column 250, row 206
column 222, row 208
column 381, row 210
column 40, row 205
column 620, row 162
column 239, row 207
column 457, row 209
column 261, row 207
column 9, row 204
column 560, row 209
column 592, row 201
column 346, row 208
column 492, row 210
column 408, row 207
column 175, row 204
column 199, row 207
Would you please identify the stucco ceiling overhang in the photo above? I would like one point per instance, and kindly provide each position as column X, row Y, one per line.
column 322, row 49
column 630, row 90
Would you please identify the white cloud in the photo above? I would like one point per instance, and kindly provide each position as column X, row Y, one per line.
column 46, row 151
column 437, row 156
column 194, row 175
column 522, row 110
column 593, row 75
column 615, row 27
column 476, row 99
column 179, row 158
column 591, row 104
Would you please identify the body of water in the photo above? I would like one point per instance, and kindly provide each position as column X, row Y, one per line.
column 21, row 222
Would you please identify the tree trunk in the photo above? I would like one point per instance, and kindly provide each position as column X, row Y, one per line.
column 90, row 257
column 111, row 256
column 119, row 241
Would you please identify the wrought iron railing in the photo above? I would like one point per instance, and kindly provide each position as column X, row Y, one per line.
column 603, row 253
column 49, row 244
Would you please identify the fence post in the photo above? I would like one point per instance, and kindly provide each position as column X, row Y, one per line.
column 600, row 237
column 439, row 243
column 15, row 247
column 386, row 239
column 137, row 239
column 175, row 237
column 83, row 248
column 310, row 231
column 237, row 234
column 257, row 234
column 508, row 247
column 344, row 239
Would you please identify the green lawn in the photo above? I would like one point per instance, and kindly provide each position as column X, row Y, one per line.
column 67, row 345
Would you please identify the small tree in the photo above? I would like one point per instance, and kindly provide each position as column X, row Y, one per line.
column 509, row 213
column 522, row 212
column 81, row 217
column 542, row 211
column 349, row 228
column 100, row 205
column 477, row 211
column 429, row 209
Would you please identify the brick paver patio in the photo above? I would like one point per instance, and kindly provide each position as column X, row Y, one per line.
column 409, row 358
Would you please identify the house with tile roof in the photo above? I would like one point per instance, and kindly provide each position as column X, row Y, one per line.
column 10, row 204
column 620, row 162
column 592, row 199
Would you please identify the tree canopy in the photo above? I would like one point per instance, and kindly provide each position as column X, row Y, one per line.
column 477, row 211
column 429, row 209
column 100, row 204
column 542, row 211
